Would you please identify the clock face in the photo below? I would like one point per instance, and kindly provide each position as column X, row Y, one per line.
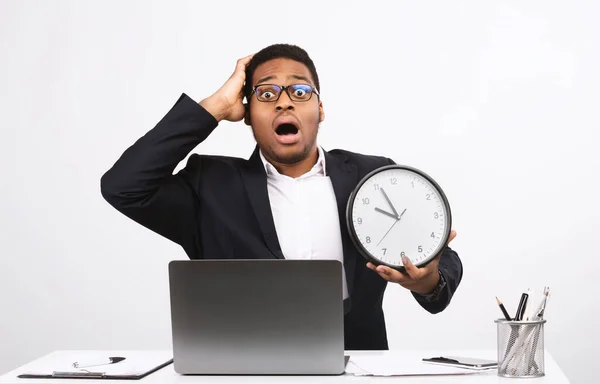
column 398, row 210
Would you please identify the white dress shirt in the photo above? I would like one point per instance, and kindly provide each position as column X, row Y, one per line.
column 305, row 214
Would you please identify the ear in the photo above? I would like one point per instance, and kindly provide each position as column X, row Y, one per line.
column 247, row 114
column 321, row 112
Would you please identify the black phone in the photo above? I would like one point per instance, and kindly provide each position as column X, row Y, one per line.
column 463, row 362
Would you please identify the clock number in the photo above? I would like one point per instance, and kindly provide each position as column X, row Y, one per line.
column 368, row 239
column 436, row 215
column 428, row 196
column 432, row 235
column 420, row 249
column 412, row 183
column 365, row 201
column 384, row 250
column 359, row 220
column 393, row 180
column 376, row 186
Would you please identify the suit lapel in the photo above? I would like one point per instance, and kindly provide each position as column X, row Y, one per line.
column 255, row 180
column 343, row 177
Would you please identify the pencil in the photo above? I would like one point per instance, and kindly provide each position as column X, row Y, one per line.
column 503, row 309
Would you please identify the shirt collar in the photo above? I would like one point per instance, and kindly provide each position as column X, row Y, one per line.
column 317, row 169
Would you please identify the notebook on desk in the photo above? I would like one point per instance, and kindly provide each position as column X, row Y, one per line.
column 131, row 365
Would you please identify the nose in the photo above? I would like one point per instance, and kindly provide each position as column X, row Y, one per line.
column 284, row 102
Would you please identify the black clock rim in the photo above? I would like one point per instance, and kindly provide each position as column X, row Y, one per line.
column 352, row 231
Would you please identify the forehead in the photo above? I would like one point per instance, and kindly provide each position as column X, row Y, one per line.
column 281, row 70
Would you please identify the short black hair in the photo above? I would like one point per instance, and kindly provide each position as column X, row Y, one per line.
column 278, row 51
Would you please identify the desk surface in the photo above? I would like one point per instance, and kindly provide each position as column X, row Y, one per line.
column 167, row 375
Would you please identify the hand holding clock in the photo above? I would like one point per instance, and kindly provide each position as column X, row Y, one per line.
column 419, row 280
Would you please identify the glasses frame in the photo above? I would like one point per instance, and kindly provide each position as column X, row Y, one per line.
column 286, row 89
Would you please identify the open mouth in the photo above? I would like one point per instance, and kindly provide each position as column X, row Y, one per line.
column 286, row 129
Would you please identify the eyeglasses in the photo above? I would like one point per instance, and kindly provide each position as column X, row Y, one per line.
column 271, row 92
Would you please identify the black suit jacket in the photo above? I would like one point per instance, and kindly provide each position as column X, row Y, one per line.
column 218, row 207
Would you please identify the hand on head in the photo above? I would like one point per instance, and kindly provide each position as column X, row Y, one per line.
column 227, row 102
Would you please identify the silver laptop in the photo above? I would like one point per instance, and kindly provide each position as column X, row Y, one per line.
column 265, row 317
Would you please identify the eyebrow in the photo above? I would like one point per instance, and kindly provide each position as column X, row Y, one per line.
column 297, row 77
column 265, row 79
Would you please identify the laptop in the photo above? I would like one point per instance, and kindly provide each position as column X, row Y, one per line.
column 257, row 317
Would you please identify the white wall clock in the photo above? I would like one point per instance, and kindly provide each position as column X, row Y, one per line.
column 398, row 210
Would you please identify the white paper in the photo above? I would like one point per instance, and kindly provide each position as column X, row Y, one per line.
column 135, row 363
column 394, row 366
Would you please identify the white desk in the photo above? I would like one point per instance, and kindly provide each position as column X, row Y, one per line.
column 168, row 376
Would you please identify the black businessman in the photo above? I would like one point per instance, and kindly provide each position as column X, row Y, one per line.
column 286, row 201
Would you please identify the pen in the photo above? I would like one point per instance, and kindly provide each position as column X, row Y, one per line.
column 503, row 309
column 97, row 361
column 539, row 313
column 521, row 308
column 528, row 307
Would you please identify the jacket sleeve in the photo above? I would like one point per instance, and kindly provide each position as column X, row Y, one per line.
column 141, row 183
column 451, row 271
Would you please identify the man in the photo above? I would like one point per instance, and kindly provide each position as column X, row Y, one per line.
column 286, row 201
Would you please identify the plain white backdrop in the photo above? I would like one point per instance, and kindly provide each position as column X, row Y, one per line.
column 497, row 101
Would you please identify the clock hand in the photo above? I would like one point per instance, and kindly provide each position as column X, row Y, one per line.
column 389, row 202
column 386, row 213
column 399, row 217
column 395, row 222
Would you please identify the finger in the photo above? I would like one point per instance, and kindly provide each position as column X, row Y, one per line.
column 411, row 270
column 243, row 62
column 240, row 67
column 391, row 274
column 383, row 273
column 451, row 236
column 247, row 59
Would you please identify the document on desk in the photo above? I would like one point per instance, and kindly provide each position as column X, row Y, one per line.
column 389, row 365
column 125, row 365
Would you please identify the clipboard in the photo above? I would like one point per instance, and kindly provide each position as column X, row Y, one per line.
column 137, row 365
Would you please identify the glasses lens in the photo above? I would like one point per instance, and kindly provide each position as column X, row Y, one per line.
column 267, row 92
column 300, row 92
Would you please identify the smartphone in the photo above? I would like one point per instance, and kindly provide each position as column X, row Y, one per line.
column 463, row 362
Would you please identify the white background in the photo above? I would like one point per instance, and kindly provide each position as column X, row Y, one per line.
column 497, row 101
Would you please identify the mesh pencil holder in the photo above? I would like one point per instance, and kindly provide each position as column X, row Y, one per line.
column 520, row 348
